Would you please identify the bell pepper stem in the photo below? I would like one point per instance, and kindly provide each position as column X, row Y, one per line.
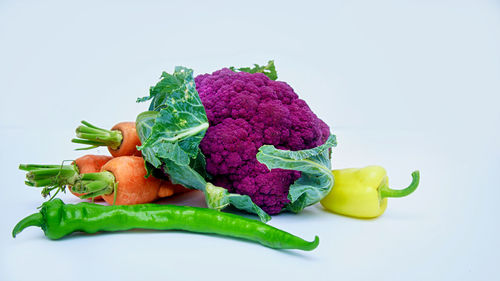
column 386, row 191
column 31, row 220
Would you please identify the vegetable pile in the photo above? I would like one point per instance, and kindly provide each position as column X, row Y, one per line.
column 238, row 135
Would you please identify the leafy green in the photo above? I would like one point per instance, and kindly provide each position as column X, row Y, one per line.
column 171, row 86
column 175, row 131
column 316, row 179
column 185, row 175
column 244, row 202
column 269, row 70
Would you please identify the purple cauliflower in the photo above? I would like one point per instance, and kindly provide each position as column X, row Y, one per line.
column 246, row 111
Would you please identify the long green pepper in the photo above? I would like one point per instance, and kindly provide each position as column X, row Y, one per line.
column 58, row 220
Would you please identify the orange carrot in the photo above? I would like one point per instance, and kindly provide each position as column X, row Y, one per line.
column 91, row 163
column 132, row 185
column 122, row 181
column 121, row 140
column 129, row 142
column 167, row 189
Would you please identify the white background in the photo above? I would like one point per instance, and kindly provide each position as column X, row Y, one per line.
column 403, row 84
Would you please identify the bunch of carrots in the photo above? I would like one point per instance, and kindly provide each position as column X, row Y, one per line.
column 119, row 179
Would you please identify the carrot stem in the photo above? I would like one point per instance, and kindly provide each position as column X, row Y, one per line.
column 50, row 177
column 30, row 167
column 43, row 173
column 94, row 136
column 43, row 182
column 95, row 184
column 65, row 174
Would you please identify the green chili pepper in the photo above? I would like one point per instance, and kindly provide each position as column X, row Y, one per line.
column 58, row 220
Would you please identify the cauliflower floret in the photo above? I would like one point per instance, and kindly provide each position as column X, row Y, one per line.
column 246, row 111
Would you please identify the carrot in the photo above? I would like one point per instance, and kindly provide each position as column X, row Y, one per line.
column 58, row 177
column 121, row 140
column 122, row 181
column 91, row 163
column 167, row 188
column 130, row 140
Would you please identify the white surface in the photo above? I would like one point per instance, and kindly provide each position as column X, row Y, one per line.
column 406, row 85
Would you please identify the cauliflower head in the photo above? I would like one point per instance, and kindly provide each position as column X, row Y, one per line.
column 246, row 111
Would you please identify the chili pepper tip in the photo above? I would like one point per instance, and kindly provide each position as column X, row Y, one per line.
column 31, row 220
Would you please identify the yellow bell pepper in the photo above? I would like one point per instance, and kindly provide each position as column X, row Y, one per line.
column 363, row 192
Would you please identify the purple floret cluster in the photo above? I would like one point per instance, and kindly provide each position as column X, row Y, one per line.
column 246, row 111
